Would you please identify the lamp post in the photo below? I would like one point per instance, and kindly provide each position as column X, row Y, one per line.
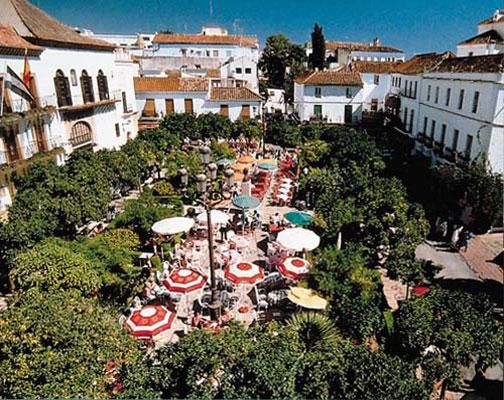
column 207, row 194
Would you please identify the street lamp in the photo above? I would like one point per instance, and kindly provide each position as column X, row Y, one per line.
column 207, row 194
column 229, row 173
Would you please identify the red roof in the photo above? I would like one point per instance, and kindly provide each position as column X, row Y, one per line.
column 168, row 84
column 182, row 38
column 374, row 67
column 13, row 44
column 422, row 63
column 488, row 37
column 234, row 94
column 474, row 64
column 332, row 77
column 481, row 253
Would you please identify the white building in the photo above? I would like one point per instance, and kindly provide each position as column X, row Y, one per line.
column 235, row 56
column 82, row 90
column 376, row 77
column 157, row 97
column 276, row 101
column 489, row 40
column 334, row 96
column 458, row 111
column 341, row 53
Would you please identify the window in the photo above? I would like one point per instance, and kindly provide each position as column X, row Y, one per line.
column 405, row 87
column 169, row 106
column 73, row 77
column 471, row 53
column 197, row 66
column 228, row 53
column 238, row 70
column 443, row 135
column 317, row 110
column 248, row 70
column 455, row 139
column 184, row 52
column 374, row 104
column 436, row 97
column 416, row 87
column 410, row 92
column 405, row 119
column 318, row 92
column 428, row 92
column 475, row 102
column 124, row 103
column 348, row 93
column 245, row 112
column 103, row 92
column 425, row 122
column 118, row 130
column 188, row 106
column 86, row 87
column 468, row 148
column 400, row 81
column 62, row 89
column 433, row 129
column 149, row 110
column 216, row 53
column 461, row 99
column 412, row 117
column 208, row 53
column 376, row 79
column 81, row 134
column 224, row 110
column 448, row 95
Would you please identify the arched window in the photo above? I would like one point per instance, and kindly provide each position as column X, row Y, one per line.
column 73, row 77
column 87, row 87
column 62, row 89
column 81, row 134
column 103, row 91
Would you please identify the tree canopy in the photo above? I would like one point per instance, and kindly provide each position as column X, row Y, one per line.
column 317, row 57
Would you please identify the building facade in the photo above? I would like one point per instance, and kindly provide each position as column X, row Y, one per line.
column 80, row 92
column 157, row 97
column 333, row 96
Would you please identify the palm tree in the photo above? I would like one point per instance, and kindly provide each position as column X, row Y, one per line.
column 316, row 332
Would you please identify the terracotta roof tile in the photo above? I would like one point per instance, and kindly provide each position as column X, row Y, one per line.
column 12, row 43
column 355, row 46
column 234, row 94
column 374, row 67
column 481, row 255
column 498, row 17
column 477, row 64
column 335, row 77
column 421, row 63
column 213, row 73
column 487, row 37
column 154, row 84
column 37, row 27
column 182, row 38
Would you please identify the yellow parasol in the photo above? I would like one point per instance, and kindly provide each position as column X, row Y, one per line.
column 306, row 298
column 239, row 167
column 246, row 160
column 238, row 176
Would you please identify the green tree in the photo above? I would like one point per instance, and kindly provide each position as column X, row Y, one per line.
column 250, row 129
column 51, row 265
column 461, row 325
column 57, row 344
column 317, row 57
column 316, row 332
column 214, row 126
column 181, row 126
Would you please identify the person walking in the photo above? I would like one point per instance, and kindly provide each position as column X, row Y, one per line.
column 455, row 235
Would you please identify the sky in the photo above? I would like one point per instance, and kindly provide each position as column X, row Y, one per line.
column 413, row 26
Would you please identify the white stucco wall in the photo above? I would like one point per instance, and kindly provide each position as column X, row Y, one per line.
column 333, row 101
column 372, row 91
column 200, row 50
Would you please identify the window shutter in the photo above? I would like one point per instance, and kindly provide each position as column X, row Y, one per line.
column 103, row 91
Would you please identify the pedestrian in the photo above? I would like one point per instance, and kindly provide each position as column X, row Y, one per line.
column 443, row 230
column 154, row 245
column 455, row 235
column 223, row 231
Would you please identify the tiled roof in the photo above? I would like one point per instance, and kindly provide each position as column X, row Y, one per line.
column 481, row 255
column 153, row 84
column 234, row 94
column 182, row 38
column 355, row 46
column 497, row 17
column 477, row 64
column 12, row 43
column 334, row 77
column 374, row 67
column 213, row 73
column 421, row 63
column 488, row 37
column 37, row 27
